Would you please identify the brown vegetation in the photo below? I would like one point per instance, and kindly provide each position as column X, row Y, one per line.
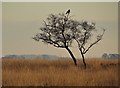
column 38, row 72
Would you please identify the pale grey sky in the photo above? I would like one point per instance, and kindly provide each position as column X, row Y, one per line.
column 20, row 21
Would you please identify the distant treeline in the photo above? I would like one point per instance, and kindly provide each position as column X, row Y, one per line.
column 111, row 56
column 45, row 56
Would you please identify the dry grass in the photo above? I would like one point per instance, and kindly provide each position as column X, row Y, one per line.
column 37, row 72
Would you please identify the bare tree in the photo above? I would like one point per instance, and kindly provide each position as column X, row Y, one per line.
column 56, row 31
column 83, row 33
column 60, row 31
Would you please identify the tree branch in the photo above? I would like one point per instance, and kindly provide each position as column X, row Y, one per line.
column 63, row 33
column 91, row 46
column 54, row 42
column 84, row 38
column 98, row 39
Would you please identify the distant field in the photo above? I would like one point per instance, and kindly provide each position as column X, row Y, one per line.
column 38, row 72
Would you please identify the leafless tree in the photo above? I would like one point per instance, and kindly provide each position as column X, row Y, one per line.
column 56, row 31
column 84, row 32
column 60, row 31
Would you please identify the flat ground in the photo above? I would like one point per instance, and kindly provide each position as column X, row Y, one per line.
column 39, row 72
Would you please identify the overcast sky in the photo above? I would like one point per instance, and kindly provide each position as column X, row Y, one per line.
column 20, row 21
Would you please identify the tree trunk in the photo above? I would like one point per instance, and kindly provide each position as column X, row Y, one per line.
column 70, row 52
column 83, row 58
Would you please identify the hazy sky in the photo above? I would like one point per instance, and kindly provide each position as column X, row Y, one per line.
column 20, row 21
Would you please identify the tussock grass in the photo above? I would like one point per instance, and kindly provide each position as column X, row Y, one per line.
column 39, row 72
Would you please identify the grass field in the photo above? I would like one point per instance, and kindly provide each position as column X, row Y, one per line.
column 39, row 72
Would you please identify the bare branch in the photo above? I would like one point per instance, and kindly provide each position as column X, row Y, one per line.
column 99, row 37
column 91, row 46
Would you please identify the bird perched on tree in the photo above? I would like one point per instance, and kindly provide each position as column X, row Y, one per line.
column 68, row 12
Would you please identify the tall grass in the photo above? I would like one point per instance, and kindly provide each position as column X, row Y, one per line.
column 39, row 72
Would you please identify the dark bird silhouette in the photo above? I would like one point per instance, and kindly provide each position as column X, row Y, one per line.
column 68, row 11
